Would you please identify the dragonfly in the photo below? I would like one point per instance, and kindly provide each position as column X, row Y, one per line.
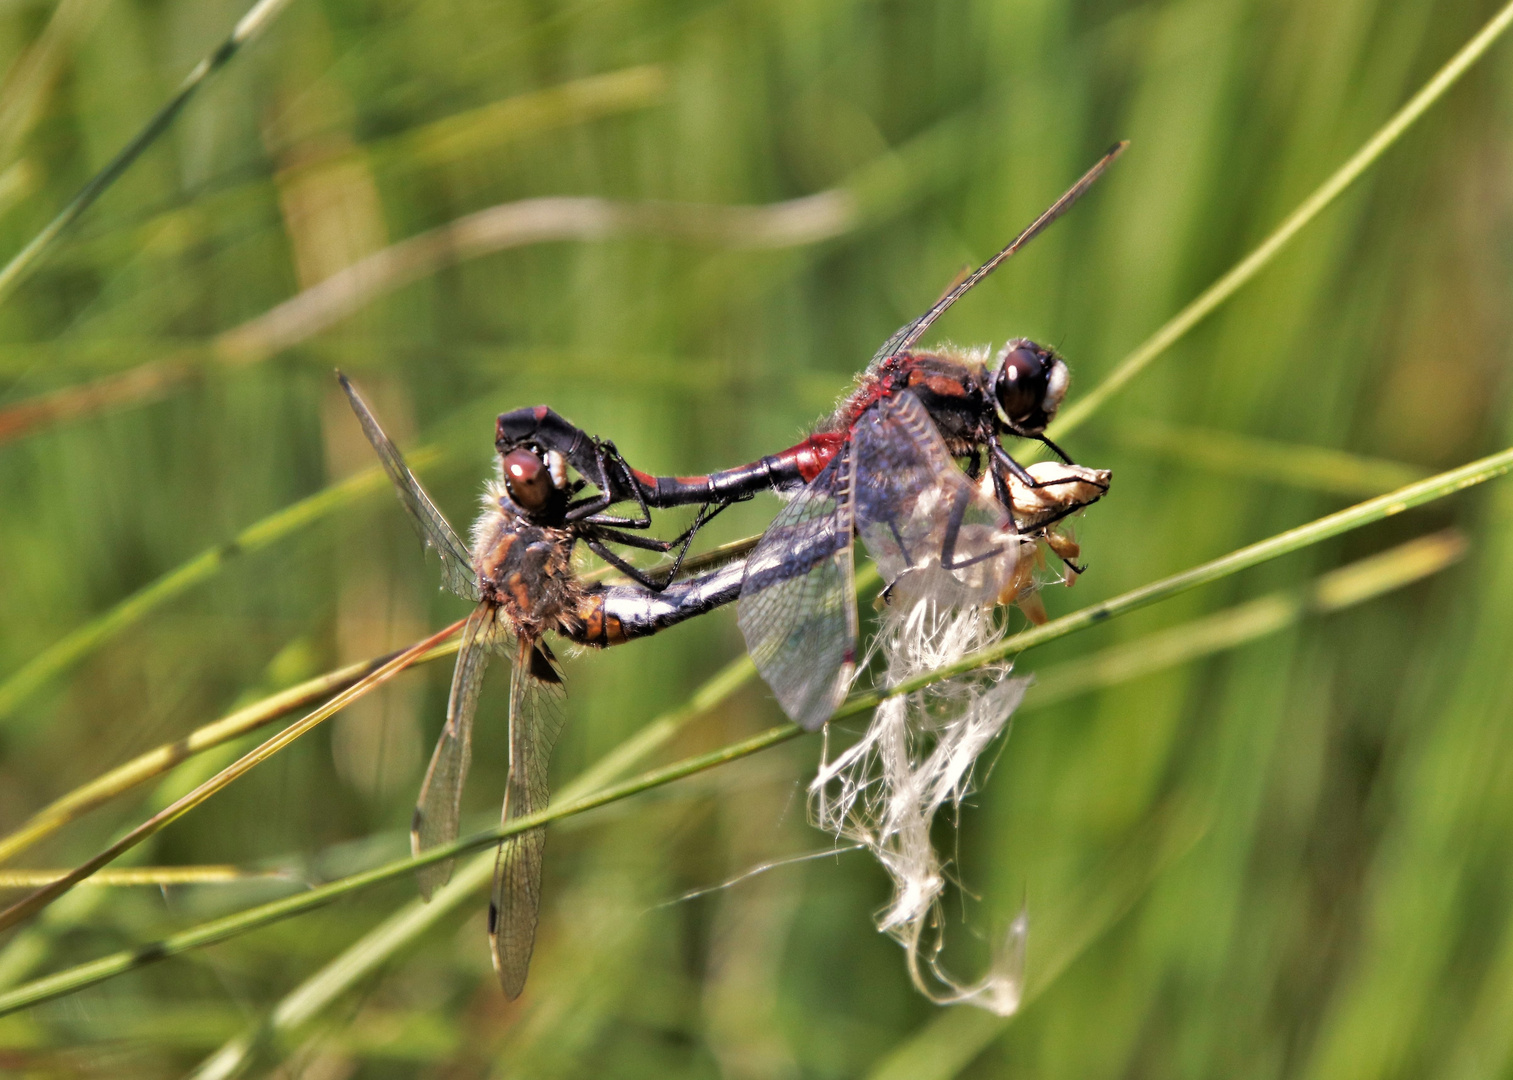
column 883, row 467
column 519, row 572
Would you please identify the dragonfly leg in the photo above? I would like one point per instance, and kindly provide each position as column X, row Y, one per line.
column 679, row 545
column 953, row 532
column 1004, row 459
column 1062, row 454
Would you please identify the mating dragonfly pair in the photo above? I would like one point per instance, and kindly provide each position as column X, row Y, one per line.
column 885, row 467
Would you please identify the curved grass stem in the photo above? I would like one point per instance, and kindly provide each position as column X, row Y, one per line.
column 250, row 25
column 68, row 650
column 27, row 907
column 1216, row 294
column 157, row 761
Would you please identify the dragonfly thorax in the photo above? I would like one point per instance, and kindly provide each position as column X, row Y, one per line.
column 525, row 570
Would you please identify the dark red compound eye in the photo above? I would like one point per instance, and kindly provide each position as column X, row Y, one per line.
column 527, row 480
column 1022, row 381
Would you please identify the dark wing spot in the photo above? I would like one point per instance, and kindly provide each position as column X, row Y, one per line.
column 493, row 917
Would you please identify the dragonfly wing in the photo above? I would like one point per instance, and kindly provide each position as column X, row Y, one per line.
column 535, row 720
column 440, row 805
column 798, row 600
column 906, row 335
column 457, row 572
column 918, row 513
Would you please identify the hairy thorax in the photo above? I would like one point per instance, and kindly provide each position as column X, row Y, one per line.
column 953, row 385
column 526, row 570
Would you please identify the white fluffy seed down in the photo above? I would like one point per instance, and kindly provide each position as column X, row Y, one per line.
column 919, row 754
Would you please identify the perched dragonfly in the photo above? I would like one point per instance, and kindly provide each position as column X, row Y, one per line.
column 519, row 572
column 883, row 466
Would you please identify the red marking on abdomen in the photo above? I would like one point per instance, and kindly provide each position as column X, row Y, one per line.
column 812, row 455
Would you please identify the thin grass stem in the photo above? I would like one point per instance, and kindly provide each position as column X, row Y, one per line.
column 250, row 25
column 1313, row 468
column 30, row 905
column 159, row 760
column 68, row 650
column 1345, row 587
column 1372, row 510
column 156, row 876
column 1216, row 294
column 405, row 926
column 217, row 930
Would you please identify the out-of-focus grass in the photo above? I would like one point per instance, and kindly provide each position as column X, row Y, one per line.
column 1345, row 909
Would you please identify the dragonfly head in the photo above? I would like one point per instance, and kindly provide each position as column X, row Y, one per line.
column 536, row 484
column 1028, row 386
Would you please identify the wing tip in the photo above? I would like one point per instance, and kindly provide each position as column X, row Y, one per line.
column 511, row 975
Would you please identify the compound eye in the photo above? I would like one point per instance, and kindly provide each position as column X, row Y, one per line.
column 1021, row 387
column 527, row 479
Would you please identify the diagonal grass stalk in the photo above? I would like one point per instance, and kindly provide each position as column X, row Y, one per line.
column 405, row 926
column 1372, row 510
column 30, row 905
column 251, row 24
column 1242, row 272
column 221, row 929
column 159, row 760
column 1331, row 592
column 68, row 650
column 1445, row 484
column 155, row 876
column 1313, row 468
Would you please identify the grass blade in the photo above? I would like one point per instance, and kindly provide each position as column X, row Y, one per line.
column 1240, row 274
column 1372, row 510
column 1314, row 468
column 159, row 760
column 30, row 905
column 403, row 928
column 155, row 876
column 1345, row 587
column 251, row 24
column 68, row 650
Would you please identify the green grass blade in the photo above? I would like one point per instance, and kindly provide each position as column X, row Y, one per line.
column 1314, row 468
column 217, row 930
column 1338, row 589
column 1238, row 276
column 1373, row 510
column 159, row 760
column 250, row 25
column 68, row 650
column 403, row 928
column 29, row 906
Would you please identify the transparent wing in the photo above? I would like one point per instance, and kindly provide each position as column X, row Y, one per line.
column 457, row 572
column 911, row 332
column 798, row 600
column 535, row 720
column 440, row 804
column 919, row 514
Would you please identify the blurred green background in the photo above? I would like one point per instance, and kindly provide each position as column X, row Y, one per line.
column 1290, row 859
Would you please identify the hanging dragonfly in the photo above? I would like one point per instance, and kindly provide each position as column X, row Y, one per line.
column 882, row 466
column 519, row 572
